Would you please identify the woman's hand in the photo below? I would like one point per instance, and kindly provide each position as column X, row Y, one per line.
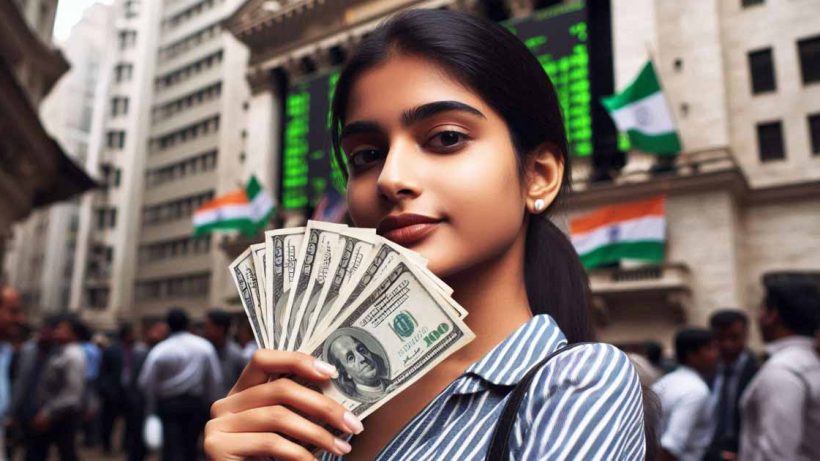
column 264, row 418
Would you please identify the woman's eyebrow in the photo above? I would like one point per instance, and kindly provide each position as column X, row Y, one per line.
column 428, row 110
column 361, row 127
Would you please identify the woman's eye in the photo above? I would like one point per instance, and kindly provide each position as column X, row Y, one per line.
column 364, row 157
column 447, row 139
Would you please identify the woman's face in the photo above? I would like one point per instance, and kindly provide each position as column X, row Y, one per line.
column 432, row 166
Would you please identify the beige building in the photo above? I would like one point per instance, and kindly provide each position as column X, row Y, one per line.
column 742, row 78
column 168, row 137
column 34, row 169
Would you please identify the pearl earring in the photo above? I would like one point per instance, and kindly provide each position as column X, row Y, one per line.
column 539, row 205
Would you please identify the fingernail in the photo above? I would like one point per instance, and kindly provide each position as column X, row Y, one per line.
column 353, row 423
column 325, row 368
column 341, row 446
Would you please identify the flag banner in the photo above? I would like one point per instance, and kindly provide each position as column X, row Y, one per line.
column 642, row 112
column 246, row 210
column 634, row 231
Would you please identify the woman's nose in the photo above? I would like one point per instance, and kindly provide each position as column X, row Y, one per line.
column 397, row 179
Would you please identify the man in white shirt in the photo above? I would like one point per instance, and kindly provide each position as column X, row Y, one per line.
column 687, row 425
column 781, row 407
column 181, row 378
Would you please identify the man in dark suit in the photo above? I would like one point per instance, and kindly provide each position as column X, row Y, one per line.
column 737, row 367
column 120, row 367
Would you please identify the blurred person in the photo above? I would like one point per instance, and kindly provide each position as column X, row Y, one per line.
column 11, row 320
column 736, row 368
column 155, row 333
column 58, row 395
column 30, row 360
column 121, row 364
column 244, row 334
column 654, row 353
column 780, row 409
column 181, row 378
column 91, row 398
column 686, row 426
column 216, row 329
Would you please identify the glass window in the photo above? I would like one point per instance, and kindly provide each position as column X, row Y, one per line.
column 809, row 50
column 770, row 141
column 761, row 68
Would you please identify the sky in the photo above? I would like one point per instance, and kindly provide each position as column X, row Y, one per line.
column 69, row 12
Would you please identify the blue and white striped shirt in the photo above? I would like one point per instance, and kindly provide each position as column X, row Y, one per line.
column 585, row 404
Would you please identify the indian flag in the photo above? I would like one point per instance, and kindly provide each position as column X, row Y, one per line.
column 246, row 210
column 635, row 231
column 642, row 112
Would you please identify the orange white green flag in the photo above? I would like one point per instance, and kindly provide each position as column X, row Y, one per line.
column 246, row 210
column 627, row 231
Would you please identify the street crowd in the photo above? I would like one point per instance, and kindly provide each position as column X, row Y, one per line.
column 722, row 401
column 716, row 400
column 65, row 385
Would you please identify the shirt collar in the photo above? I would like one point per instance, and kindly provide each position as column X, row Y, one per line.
column 511, row 359
column 803, row 342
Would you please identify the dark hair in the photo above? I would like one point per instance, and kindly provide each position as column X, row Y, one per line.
column 220, row 318
column 725, row 318
column 797, row 303
column 494, row 63
column 177, row 320
column 689, row 341
column 654, row 352
column 80, row 330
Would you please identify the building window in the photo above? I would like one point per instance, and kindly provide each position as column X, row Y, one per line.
column 119, row 106
column 748, row 3
column 97, row 297
column 131, row 9
column 201, row 163
column 127, row 39
column 770, row 141
column 814, row 132
column 761, row 68
column 106, row 218
column 809, row 50
column 174, row 210
column 115, row 139
column 123, row 72
column 188, row 286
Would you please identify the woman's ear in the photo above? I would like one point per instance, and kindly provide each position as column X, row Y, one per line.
column 544, row 175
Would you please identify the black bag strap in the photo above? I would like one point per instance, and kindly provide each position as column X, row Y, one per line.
column 499, row 443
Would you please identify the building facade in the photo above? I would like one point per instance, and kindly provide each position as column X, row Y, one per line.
column 167, row 138
column 34, row 169
column 742, row 199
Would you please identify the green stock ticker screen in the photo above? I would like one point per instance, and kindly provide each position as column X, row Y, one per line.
column 558, row 38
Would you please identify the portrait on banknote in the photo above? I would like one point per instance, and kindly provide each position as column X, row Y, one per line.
column 364, row 370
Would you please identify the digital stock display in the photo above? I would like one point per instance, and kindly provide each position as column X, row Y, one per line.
column 308, row 166
column 558, row 38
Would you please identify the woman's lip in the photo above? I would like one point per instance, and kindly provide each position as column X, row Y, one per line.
column 390, row 223
column 409, row 235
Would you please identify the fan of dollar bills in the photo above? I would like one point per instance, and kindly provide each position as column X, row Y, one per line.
column 353, row 299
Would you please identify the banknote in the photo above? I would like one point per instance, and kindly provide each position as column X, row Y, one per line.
column 324, row 287
column 392, row 336
column 258, row 254
column 312, row 266
column 282, row 248
column 243, row 272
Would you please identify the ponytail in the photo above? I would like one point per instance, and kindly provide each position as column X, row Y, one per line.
column 556, row 282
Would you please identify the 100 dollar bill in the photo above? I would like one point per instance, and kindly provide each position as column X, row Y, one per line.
column 398, row 331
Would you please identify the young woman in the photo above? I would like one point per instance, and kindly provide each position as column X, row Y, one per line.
column 456, row 148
